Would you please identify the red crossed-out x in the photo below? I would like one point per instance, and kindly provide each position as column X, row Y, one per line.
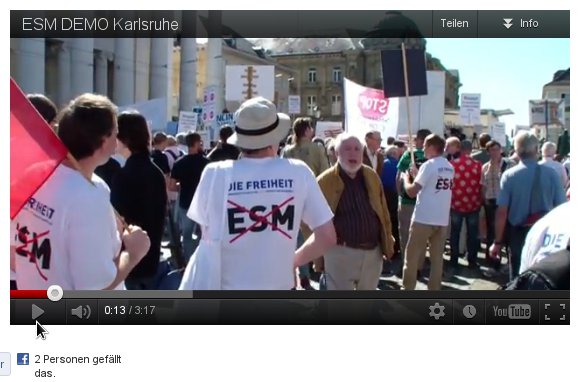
column 260, row 219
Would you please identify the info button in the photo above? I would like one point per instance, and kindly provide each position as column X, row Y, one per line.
column 455, row 24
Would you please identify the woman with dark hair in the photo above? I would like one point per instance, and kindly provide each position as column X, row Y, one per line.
column 139, row 194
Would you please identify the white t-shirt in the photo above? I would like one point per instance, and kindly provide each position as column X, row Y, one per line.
column 433, row 202
column 549, row 235
column 169, row 155
column 285, row 191
column 77, row 238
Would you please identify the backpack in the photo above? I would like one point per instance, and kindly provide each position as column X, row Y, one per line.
column 551, row 273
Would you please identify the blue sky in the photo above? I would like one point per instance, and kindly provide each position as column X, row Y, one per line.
column 507, row 72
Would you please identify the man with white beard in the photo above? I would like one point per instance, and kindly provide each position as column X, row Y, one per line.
column 355, row 194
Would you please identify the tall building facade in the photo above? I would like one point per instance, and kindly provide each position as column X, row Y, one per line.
column 320, row 65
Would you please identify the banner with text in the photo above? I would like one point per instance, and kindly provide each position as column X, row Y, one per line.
column 243, row 82
column 225, row 119
column 367, row 109
column 470, row 109
column 187, row 121
column 538, row 113
column 498, row 133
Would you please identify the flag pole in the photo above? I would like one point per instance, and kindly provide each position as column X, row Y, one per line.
column 407, row 87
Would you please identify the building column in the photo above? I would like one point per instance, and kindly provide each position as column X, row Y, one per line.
column 124, row 71
column 161, row 70
column 64, row 74
column 81, row 66
column 216, row 70
column 101, row 73
column 188, row 74
column 31, row 65
column 142, row 69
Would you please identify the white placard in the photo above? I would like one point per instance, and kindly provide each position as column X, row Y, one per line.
column 154, row 111
column 537, row 112
column 328, row 129
column 498, row 133
column 294, row 104
column 470, row 109
column 206, row 138
column 243, row 82
column 187, row 121
column 427, row 111
column 209, row 104
column 367, row 109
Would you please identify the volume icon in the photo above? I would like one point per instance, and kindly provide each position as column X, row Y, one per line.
column 81, row 312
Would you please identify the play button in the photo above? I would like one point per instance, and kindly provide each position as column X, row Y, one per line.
column 36, row 312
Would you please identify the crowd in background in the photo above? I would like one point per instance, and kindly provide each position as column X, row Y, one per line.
column 389, row 212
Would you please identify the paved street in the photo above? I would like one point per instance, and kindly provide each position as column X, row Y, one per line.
column 484, row 279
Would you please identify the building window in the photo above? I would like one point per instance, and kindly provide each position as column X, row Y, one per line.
column 336, row 105
column 312, row 75
column 337, row 75
column 311, row 104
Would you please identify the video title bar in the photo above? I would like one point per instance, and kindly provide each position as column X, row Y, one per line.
column 290, row 24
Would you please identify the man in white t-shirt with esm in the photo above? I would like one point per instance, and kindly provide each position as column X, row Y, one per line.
column 67, row 234
column 267, row 199
column 433, row 188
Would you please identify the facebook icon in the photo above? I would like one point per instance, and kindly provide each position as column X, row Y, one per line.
column 22, row 358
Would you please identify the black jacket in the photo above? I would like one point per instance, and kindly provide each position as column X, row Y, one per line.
column 138, row 193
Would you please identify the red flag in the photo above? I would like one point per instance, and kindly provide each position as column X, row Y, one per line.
column 35, row 150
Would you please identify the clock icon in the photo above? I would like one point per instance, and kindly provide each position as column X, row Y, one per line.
column 469, row 311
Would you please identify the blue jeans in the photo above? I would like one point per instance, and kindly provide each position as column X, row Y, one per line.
column 303, row 270
column 472, row 235
column 188, row 228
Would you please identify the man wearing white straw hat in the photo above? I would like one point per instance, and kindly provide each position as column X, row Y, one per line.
column 262, row 206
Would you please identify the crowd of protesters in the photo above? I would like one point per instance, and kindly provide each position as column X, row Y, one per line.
column 296, row 208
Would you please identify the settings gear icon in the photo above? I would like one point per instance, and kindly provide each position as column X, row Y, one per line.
column 437, row 311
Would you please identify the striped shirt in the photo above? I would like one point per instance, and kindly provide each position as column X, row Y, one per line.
column 355, row 221
column 491, row 178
